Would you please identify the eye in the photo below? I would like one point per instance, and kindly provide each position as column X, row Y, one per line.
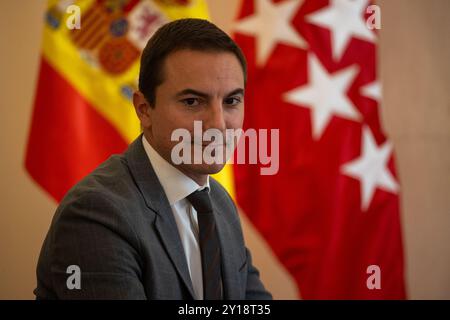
column 191, row 102
column 232, row 101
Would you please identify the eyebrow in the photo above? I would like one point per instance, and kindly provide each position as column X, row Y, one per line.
column 205, row 95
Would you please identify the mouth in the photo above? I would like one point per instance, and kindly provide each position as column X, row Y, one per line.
column 213, row 144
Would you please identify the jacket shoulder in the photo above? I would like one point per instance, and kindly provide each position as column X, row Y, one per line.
column 111, row 179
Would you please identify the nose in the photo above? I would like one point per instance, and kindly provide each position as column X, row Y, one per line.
column 216, row 117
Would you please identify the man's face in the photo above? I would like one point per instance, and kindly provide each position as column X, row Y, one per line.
column 197, row 86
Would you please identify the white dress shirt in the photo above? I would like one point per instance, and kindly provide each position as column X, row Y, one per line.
column 177, row 187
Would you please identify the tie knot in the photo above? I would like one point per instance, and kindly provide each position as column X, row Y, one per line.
column 200, row 201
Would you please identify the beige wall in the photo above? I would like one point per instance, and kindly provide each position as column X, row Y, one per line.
column 415, row 69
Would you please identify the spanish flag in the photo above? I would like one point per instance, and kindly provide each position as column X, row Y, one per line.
column 89, row 69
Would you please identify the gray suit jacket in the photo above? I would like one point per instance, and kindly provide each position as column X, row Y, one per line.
column 117, row 226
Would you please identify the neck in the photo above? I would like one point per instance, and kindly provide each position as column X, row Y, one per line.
column 199, row 178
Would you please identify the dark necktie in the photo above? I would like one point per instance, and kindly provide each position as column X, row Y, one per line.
column 209, row 245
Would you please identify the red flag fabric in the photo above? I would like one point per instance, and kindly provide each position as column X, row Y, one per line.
column 331, row 213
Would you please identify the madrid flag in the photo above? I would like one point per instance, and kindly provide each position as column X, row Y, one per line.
column 331, row 213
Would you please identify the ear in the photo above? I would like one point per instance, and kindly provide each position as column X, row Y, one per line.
column 142, row 108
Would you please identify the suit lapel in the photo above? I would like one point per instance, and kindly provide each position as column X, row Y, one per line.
column 230, row 269
column 167, row 229
column 155, row 198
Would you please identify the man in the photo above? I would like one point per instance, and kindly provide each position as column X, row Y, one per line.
column 141, row 226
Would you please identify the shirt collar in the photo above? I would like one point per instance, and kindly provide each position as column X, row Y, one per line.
column 176, row 184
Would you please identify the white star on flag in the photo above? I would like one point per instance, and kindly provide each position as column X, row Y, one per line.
column 271, row 23
column 372, row 90
column 371, row 168
column 325, row 95
column 345, row 19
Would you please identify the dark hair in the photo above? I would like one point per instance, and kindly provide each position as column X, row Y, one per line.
column 194, row 34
